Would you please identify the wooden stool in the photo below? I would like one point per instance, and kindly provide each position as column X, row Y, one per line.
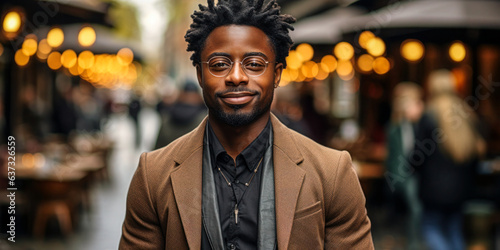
column 46, row 210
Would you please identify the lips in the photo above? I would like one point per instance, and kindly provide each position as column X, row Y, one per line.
column 237, row 98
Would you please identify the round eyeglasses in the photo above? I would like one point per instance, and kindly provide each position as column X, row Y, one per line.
column 220, row 66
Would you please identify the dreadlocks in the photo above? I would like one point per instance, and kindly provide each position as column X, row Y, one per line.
column 241, row 12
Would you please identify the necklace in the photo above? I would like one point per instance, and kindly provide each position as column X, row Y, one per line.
column 247, row 184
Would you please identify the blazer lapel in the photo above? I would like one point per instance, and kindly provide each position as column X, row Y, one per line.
column 187, row 185
column 288, row 178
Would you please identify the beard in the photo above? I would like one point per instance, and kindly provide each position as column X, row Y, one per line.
column 238, row 118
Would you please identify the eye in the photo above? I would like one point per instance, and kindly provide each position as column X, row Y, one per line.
column 219, row 64
column 254, row 64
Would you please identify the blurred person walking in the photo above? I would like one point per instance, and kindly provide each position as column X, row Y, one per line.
column 447, row 149
column 407, row 110
column 182, row 116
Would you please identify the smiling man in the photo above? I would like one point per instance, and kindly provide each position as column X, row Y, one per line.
column 242, row 180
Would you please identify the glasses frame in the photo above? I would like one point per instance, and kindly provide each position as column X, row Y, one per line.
column 240, row 62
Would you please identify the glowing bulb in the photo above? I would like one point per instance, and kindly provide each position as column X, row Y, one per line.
column 457, row 51
column 294, row 60
column 306, row 51
column 54, row 60
column 87, row 36
column 343, row 51
column 12, row 22
column 375, row 46
column 21, row 58
column 412, row 50
column 68, row 58
column 344, row 68
column 125, row 56
column 329, row 63
column 86, row 59
column 381, row 65
column 365, row 63
column 55, row 37
column 364, row 37
column 30, row 45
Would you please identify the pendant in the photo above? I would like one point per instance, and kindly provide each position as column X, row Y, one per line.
column 236, row 214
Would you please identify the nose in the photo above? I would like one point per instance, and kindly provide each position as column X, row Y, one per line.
column 236, row 75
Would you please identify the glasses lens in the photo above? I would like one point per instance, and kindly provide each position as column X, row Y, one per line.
column 254, row 65
column 219, row 66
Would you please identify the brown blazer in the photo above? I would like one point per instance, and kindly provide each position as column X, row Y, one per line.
column 319, row 202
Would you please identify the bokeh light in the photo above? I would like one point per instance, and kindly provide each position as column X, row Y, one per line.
column 86, row 59
column 344, row 68
column 381, row 65
column 21, row 58
column 294, row 60
column 87, row 36
column 310, row 69
column 12, row 22
column 457, row 51
column 364, row 37
column 365, row 63
column 329, row 63
column 68, row 58
column 125, row 56
column 306, row 51
column 412, row 50
column 30, row 45
column 375, row 46
column 343, row 51
column 55, row 37
column 44, row 47
column 54, row 60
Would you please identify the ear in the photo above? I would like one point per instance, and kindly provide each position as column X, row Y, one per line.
column 199, row 74
column 277, row 74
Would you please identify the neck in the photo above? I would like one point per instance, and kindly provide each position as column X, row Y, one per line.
column 236, row 139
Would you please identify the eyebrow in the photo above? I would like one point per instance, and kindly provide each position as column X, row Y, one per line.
column 245, row 55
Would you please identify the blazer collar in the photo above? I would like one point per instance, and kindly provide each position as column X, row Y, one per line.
column 187, row 180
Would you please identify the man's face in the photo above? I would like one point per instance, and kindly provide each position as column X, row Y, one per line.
column 238, row 98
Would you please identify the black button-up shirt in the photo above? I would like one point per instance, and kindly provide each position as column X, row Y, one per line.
column 244, row 234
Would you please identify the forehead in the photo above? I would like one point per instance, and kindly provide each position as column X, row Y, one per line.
column 237, row 41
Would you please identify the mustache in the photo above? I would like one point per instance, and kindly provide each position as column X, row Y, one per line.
column 237, row 89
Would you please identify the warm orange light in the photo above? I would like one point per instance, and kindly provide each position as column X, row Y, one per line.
column 86, row 59
column 125, row 56
column 310, row 69
column 30, row 45
column 76, row 70
column 55, row 37
column 68, row 58
column 381, row 65
column 54, row 60
column 44, row 47
column 375, row 46
column 21, row 58
column 364, row 37
column 28, row 160
column 343, row 51
column 322, row 74
column 457, row 51
column 412, row 50
column 365, row 63
column 329, row 63
column 306, row 51
column 87, row 36
column 344, row 68
column 294, row 60
column 12, row 22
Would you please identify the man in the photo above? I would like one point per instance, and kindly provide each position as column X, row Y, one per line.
column 242, row 180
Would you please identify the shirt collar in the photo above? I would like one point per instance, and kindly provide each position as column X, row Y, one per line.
column 251, row 155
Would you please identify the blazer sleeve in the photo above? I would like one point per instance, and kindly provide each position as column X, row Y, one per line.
column 347, row 223
column 141, row 228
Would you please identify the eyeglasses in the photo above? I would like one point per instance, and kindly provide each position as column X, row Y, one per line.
column 220, row 66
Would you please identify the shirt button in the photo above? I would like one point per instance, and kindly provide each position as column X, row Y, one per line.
column 237, row 181
column 231, row 246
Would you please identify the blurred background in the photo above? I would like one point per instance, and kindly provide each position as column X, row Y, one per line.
column 409, row 88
